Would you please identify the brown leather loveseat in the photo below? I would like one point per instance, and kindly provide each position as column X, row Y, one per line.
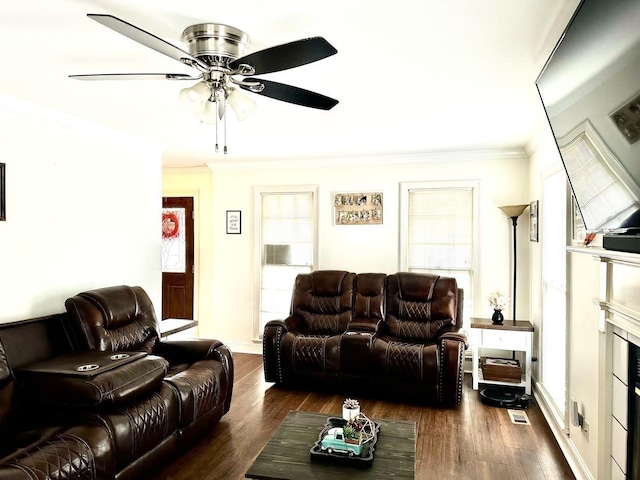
column 94, row 393
column 394, row 335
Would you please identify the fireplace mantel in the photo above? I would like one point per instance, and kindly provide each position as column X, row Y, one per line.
column 618, row 291
column 618, row 304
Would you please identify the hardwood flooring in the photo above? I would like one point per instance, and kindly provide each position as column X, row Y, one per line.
column 472, row 441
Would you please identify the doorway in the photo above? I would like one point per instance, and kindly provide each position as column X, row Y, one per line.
column 177, row 257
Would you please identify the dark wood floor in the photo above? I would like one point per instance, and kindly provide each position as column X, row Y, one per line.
column 471, row 441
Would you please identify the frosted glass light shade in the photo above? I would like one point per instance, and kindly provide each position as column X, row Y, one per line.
column 209, row 113
column 513, row 210
column 241, row 105
column 195, row 97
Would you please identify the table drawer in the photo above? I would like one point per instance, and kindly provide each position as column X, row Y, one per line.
column 507, row 340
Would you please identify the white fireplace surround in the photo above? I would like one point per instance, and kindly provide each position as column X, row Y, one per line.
column 619, row 325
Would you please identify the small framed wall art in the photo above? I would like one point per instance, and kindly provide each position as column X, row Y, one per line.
column 234, row 222
column 357, row 208
column 3, row 208
column 533, row 221
column 627, row 119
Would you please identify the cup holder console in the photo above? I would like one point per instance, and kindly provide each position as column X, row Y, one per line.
column 87, row 367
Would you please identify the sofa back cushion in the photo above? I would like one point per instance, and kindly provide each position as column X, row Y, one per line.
column 369, row 301
column 323, row 299
column 114, row 318
column 419, row 305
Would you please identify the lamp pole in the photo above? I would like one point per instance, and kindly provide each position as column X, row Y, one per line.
column 514, row 221
column 513, row 212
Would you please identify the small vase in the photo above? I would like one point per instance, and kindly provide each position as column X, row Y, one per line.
column 497, row 317
column 350, row 413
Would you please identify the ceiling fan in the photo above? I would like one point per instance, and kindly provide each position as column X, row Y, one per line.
column 216, row 52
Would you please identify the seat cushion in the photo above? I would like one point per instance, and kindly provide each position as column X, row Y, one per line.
column 396, row 359
column 199, row 389
column 141, row 426
column 316, row 353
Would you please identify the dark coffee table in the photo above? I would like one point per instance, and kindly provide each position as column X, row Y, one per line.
column 286, row 454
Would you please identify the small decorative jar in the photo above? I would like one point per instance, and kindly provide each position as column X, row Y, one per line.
column 497, row 317
column 350, row 409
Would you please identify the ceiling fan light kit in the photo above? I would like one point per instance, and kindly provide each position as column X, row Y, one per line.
column 216, row 51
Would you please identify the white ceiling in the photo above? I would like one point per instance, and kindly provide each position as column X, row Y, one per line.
column 411, row 75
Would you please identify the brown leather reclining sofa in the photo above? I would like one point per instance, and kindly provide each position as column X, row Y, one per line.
column 393, row 335
column 94, row 394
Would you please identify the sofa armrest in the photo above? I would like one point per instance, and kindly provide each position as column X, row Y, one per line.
column 453, row 332
column 192, row 350
column 271, row 338
column 189, row 350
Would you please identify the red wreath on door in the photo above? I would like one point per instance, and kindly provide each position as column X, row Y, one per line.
column 169, row 225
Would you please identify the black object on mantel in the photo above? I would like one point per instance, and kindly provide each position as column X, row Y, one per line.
column 622, row 243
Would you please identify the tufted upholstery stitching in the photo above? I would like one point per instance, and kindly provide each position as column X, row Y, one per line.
column 205, row 385
column 404, row 360
column 65, row 457
column 309, row 352
column 148, row 421
column 128, row 337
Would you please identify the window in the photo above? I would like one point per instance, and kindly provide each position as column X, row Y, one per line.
column 553, row 384
column 286, row 229
column 594, row 173
column 437, row 232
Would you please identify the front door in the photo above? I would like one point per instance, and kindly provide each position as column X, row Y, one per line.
column 177, row 257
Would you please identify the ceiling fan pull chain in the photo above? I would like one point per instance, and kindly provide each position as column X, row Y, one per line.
column 224, row 120
column 216, row 133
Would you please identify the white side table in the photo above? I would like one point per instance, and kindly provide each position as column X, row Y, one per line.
column 170, row 326
column 512, row 336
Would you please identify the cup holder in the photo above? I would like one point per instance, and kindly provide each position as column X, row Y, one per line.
column 87, row 367
column 119, row 356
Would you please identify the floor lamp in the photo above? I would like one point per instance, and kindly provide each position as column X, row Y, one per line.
column 513, row 212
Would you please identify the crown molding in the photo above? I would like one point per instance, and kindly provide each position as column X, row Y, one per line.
column 382, row 159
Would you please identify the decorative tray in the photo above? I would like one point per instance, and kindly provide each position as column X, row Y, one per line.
column 370, row 432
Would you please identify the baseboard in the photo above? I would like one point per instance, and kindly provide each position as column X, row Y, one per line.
column 243, row 347
column 577, row 465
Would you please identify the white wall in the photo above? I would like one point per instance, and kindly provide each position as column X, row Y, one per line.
column 582, row 315
column 196, row 183
column 503, row 178
column 83, row 211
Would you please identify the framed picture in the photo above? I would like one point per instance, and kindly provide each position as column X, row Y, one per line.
column 533, row 221
column 627, row 119
column 234, row 222
column 3, row 208
column 357, row 208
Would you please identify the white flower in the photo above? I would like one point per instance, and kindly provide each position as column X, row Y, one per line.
column 351, row 403
column 498, row 300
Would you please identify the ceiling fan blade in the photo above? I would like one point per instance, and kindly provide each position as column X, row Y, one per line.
column 147, row 39
column 291, row 94
column 285, row 56
column 135, row 76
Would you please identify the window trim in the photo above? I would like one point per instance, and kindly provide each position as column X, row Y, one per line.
column 403, row 240
column 257, row 239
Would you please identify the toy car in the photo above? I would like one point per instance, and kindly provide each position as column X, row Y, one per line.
column 334, row 441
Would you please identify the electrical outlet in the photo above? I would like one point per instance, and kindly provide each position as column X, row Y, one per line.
column 585, row 429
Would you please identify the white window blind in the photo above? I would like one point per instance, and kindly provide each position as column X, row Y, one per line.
column 287, row 248
column 597, row 188
column 440, row 235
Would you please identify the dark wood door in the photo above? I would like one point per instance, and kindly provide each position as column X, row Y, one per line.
column 177, row 257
